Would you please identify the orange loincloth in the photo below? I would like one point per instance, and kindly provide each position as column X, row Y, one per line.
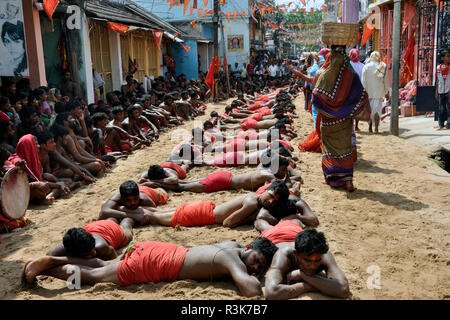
column 194, row 213
column 108, row 230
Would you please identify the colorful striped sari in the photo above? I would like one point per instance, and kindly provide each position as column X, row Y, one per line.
column 339, row 97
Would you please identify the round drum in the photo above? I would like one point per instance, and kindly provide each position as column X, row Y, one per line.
column 15, row 194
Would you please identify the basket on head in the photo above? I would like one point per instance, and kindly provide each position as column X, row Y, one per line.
column 342, row 34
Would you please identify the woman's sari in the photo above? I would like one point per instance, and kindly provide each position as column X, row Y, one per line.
column 339, row 97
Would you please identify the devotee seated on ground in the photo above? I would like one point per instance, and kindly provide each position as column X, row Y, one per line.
column 306, row 266
column 238, row 211
column 145, row 262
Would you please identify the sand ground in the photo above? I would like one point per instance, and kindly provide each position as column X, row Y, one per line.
column 397, row 222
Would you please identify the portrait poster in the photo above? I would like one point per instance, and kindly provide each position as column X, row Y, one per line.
column 235, row 43
column 13, row 51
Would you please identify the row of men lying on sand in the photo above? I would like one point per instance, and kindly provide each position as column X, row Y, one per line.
column 297, row 260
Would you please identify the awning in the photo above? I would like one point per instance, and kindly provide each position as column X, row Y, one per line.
column 380, row 3
column 205, row 41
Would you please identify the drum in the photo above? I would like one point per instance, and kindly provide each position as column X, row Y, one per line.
column 14, row 194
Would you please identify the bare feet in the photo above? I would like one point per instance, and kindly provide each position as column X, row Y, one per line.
column 33, row 268
column 48, row 200
column 296, row 188
column 349, row 186
column 75, row 185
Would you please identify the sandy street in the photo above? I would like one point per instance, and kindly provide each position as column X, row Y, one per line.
column 396, row 224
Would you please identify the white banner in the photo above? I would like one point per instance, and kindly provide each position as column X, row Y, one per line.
column 13, row 53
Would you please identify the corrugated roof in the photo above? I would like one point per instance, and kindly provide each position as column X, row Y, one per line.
column 116, row 14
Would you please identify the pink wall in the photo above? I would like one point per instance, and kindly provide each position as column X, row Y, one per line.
column 33, row 38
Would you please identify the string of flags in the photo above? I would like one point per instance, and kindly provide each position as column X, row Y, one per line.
column 203, row 12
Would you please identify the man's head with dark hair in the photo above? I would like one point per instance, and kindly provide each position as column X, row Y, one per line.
column 258, row 255
column 278, row 148
column 117, row 110
column 79, row 243
column 277, row 191
column 133, row 112
column 129, row 194
column 228, row 109
column 62, row 118
column 156, row 172
column 59, row 131
column 208, row 125
column 214, row 114
column 310, row 245
column 60, row 107
column 46, row 140
column 29, row 115
column 284, row 209
column 73, row 105
column 277, row 165
column 99, row 117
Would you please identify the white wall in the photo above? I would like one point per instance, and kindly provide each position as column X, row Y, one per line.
column 116, row 59
column 238, row 27
column 88, row 60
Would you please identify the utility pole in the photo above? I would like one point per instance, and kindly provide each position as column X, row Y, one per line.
column 395, row 67
column 216, row 42
column 224, row 57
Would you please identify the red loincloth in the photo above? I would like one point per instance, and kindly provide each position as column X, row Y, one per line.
column 249, row 123
column 229, row 159
column 179, row 169
column 194, row 213
column 265, row 111
column 249, row 134
column 283, row 231
column 217, row 181
column 235, row 145
column 151, row 262
column 108, row 230
column 256, row 116
column 157, row 196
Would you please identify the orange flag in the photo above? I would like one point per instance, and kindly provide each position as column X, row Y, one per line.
column 205, row 2
column 295, row 10
column 304, row 10
column 118, row 27
column 274, row 26
column 186, row 48
column 228, row 16
column 243, row 14
column 193, row 23
column 190, row 12
column 253, row 12
column 368, row 29
column 300, row 26
column 324, row 7
column 49, row 7
column 262, row 12
column 312, row 11
column 235, row 15
column 304, row 2
column 200, row 11
column 172, row 2
column 186, row 5
column 175, row 36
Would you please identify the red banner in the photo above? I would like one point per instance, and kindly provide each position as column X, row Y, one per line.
column 118, row 27
column 212, row 70
column 408, row 62
column 158, row 36
column 49, row 7
column 368, row 29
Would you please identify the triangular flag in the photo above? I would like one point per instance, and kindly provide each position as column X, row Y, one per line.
column 243, row 14
column 324, row 7
column 49, row 7
column 172, row 2
column 191, row 11
column 158, row 36
column 193, row 23
column 312, row 11
column 186, row 5
column 262, row 12
column 304, row 2
column 228, row 16
column 205, row 2
column 304, row 10
column 200, row 11
column 235, row 15
column 368, row 29
column 274, row 26
column 118, row 27
column 289, row 4
column 175, row 36
column 207, row 12
column 295, row 10
column 253, row 12
column 186, row 48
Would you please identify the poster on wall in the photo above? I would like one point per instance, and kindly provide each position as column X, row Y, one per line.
column 13, row 51
column 235, row 43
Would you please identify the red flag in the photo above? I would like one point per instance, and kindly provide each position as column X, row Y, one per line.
column 243, row 14
column 172, row 2
column 262, row 12
column 312, row 11
column 185, row 6
column 190, row 12
column 205, row 2
column 118, row 27
column 49, row 7
column 228, row 16
column 193, row 23
column 210, row 76
column 175, row 36
column 304, row 10
column 207, row 12
column 158, row 36
column 274, row 26
column 186, row 48
column 368, row 29
column 295, row 10
column 235, row 15
column 408, row 62
column 324, row 7
column 410, row 11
